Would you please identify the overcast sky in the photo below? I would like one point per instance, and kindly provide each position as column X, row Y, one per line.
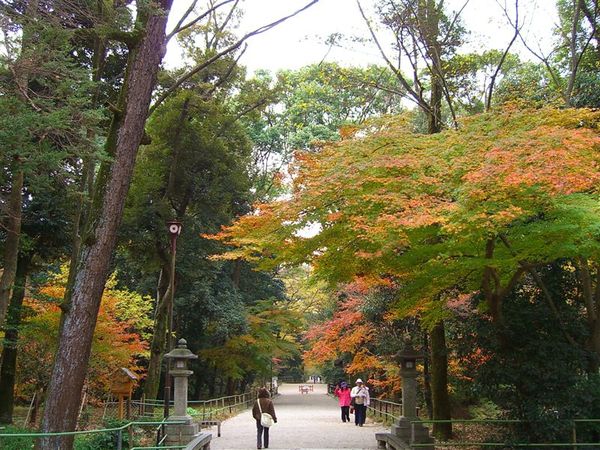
column 300, row 40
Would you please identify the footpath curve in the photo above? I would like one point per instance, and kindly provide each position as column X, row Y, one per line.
column 305, row 421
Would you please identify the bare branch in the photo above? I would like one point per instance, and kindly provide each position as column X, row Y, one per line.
column 576, row 59
column 545, row 291
column 225, row 77
column 490, row 90
column 178, row 28
column 416, row 97
column 585, row 279
column 225, row 51
column 219, row 29
column 183, row 17
column 453, row 23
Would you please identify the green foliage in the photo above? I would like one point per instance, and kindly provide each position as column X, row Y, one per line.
column 107, row 440
column 308, row 107
column 527, row 368
column 485, row 409
column 197, row 168
column 528, row 83
column 468, row 76
column 321, row 98
column 48, row 127
column 14, row 443
column 93, row 441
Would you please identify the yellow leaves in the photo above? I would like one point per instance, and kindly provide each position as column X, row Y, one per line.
column 118, row 338
column 375, row 192
column 53, row 291
column 364, row 359
column 348, row 131
column 555, row 159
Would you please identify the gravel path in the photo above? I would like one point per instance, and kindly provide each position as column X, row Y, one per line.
column 309, row 421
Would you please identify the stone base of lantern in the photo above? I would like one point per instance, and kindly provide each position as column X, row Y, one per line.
column 181, row 433
column 404, row 429
column 403, row 433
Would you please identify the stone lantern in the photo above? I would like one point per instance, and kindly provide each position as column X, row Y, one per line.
column 408, row 427
column 407, row 360
column 181, row 434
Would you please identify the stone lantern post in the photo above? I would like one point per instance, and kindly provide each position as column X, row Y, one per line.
column 180, row 434
column 407, row 427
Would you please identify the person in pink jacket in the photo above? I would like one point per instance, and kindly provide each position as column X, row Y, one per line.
column 343, row 394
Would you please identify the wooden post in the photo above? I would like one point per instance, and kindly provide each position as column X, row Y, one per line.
column 120, row 406
column 29, row 410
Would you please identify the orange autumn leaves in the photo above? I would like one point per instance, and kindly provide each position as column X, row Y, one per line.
column 120, row 338
column 370, row 192
column 351, row 334
column 346, row 332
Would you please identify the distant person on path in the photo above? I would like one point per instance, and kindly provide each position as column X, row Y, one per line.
column 360, row 395
column 342, row 392
column 266, row 405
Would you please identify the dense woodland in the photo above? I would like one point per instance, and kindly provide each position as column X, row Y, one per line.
column 329, row 213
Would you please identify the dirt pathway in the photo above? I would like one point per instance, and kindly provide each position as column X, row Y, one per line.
column 305, row 421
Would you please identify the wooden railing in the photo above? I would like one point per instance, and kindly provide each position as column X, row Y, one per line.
column 385, row 410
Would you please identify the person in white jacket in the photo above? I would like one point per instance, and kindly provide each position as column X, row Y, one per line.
column 361, row 399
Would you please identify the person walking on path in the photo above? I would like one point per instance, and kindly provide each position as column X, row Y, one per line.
column 342, row 392
column 360, row 395
column 263, row 405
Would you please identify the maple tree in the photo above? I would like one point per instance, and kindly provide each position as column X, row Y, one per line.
column 471, row 210
column 269, row 335
column 120, row 338
column 350, row 338
column 388, row 192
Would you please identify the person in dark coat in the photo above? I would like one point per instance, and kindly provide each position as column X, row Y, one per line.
column 262, row 433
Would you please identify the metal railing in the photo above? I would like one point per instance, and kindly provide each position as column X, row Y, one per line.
column 207, row 410
column 117, row 431
column 572, row 424
column 211, row 409
column 385, row 410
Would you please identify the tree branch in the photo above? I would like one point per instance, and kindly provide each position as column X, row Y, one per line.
column 545, row 291
column 223, row 52
column 416, row 97
column 179, row 27
column 225, row 77
column 488, row 100
column 587, row 291
column 214, row 40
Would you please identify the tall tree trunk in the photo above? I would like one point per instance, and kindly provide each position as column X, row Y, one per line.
column 9, row 351
column 429, row 15
column 427, row 377
column 161, row 319
column 439, row 382
column 159, row 337
column 11, row 245
column 230, row 389
column 15, row 200
column 82, row 301
column 591, row 300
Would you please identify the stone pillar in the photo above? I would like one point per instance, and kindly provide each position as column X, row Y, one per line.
column 180, row 381
column 183, row 433
column 409, row 393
